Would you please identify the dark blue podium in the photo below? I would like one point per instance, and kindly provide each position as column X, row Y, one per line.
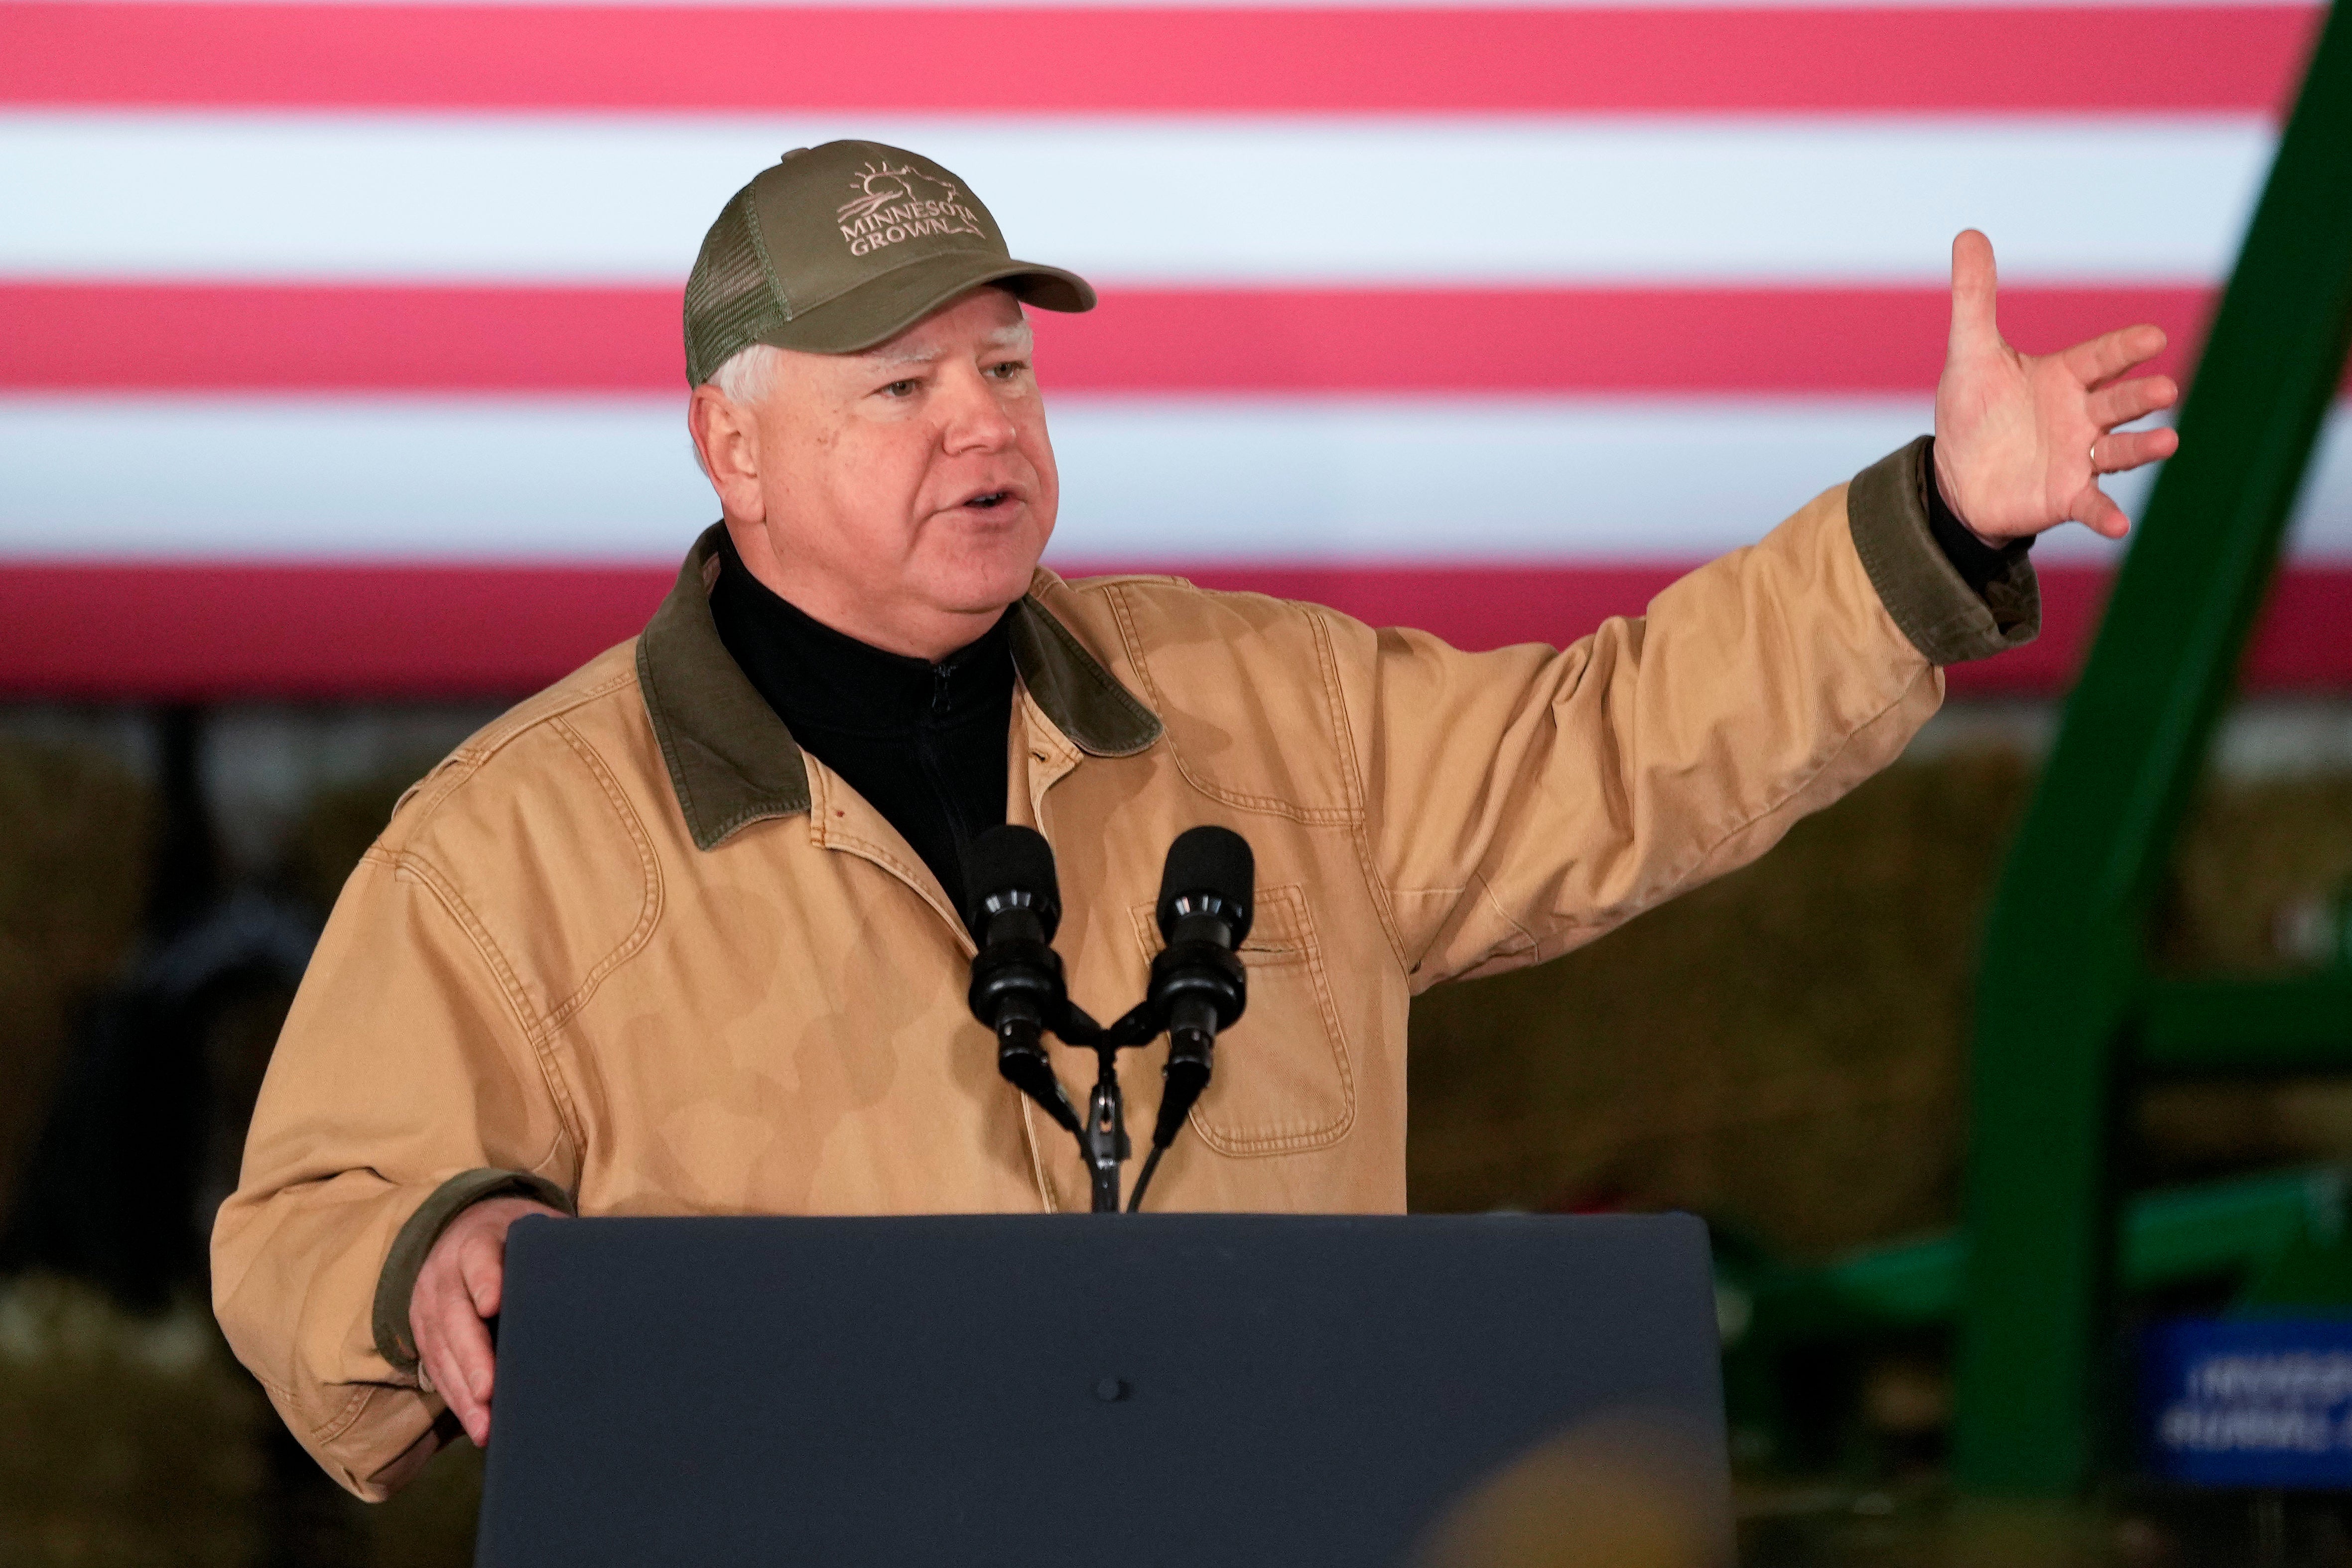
column 1156, row 1390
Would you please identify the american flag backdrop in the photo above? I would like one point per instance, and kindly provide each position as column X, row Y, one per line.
column 339, row 346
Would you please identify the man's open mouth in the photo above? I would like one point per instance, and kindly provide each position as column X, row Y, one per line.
column 984, row 499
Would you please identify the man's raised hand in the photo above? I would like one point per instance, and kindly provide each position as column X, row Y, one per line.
column 2022, row 439
column 456, row 1292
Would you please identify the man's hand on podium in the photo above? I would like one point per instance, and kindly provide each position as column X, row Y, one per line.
column 457, row 1291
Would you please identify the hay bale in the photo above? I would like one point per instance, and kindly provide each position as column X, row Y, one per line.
column 130, row 1435
column 1784, row 1047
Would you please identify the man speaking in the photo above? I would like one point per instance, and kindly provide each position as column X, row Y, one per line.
column 681, row 934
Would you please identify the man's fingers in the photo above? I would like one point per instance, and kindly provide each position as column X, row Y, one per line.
column 1973, row 325
column 2129, row 400
column 457, row 1352
column 2110, row 354
column 2119, row 450
column 462, row 1283
column 482, row 1265
column 2101, row 515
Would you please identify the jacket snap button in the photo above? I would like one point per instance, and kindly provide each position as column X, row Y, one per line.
column 1110, row 1390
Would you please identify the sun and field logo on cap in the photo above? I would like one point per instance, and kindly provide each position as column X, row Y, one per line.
column 893, row 204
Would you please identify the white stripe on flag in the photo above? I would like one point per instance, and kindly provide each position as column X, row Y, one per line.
column 1144, row 480
column 550, row 198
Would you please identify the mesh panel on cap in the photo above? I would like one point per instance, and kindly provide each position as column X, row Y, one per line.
column 730, row 300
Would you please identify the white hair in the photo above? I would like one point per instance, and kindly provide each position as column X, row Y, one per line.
column 747, row 375
column 744, row 378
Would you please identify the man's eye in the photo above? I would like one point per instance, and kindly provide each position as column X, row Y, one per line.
column 1010, row 369
column 901, row 389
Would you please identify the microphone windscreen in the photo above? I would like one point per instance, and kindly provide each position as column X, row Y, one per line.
column 1213, row 860
column 1009, row 858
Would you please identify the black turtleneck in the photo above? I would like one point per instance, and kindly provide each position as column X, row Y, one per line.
column 923, row 743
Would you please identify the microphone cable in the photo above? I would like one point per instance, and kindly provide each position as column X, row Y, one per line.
column 1143, row 1177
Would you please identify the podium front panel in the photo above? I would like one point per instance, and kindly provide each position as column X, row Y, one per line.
column 1154, row 1390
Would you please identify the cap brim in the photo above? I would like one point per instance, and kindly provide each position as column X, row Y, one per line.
column 881, row 308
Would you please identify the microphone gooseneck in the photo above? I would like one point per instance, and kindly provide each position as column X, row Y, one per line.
column 1207, row 900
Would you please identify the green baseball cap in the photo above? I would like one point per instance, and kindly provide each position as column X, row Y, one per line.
column 838, row 247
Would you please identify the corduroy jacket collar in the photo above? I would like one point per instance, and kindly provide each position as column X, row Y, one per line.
column 733, row 762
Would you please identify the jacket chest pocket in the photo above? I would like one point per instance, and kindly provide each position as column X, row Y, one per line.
column 1281, row 1083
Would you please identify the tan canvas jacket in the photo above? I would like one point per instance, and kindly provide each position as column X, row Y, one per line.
column 631, row 950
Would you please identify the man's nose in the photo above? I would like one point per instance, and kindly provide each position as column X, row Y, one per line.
column 974, row 417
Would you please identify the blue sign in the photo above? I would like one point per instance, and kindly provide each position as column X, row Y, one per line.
column 2257, row 1402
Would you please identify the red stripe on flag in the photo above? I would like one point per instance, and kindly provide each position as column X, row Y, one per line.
column 1999, row 59
column 182, row 337
column 152, row 631
column 72, row 337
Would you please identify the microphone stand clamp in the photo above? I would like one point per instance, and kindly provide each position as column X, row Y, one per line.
column 1103, row 1140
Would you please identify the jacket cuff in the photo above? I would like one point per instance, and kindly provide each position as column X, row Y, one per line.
column 1947, row 621
column 406, row 1260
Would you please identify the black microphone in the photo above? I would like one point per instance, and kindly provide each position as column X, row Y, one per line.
column 1017, row 989
column 1207, row 895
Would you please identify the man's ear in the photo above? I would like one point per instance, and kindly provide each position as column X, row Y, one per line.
column 727, row 438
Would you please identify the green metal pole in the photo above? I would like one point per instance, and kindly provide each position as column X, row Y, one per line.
column 2064, row 949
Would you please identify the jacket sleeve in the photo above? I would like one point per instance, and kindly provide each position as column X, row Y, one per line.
column 1522, row 802
column 403, row 1087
